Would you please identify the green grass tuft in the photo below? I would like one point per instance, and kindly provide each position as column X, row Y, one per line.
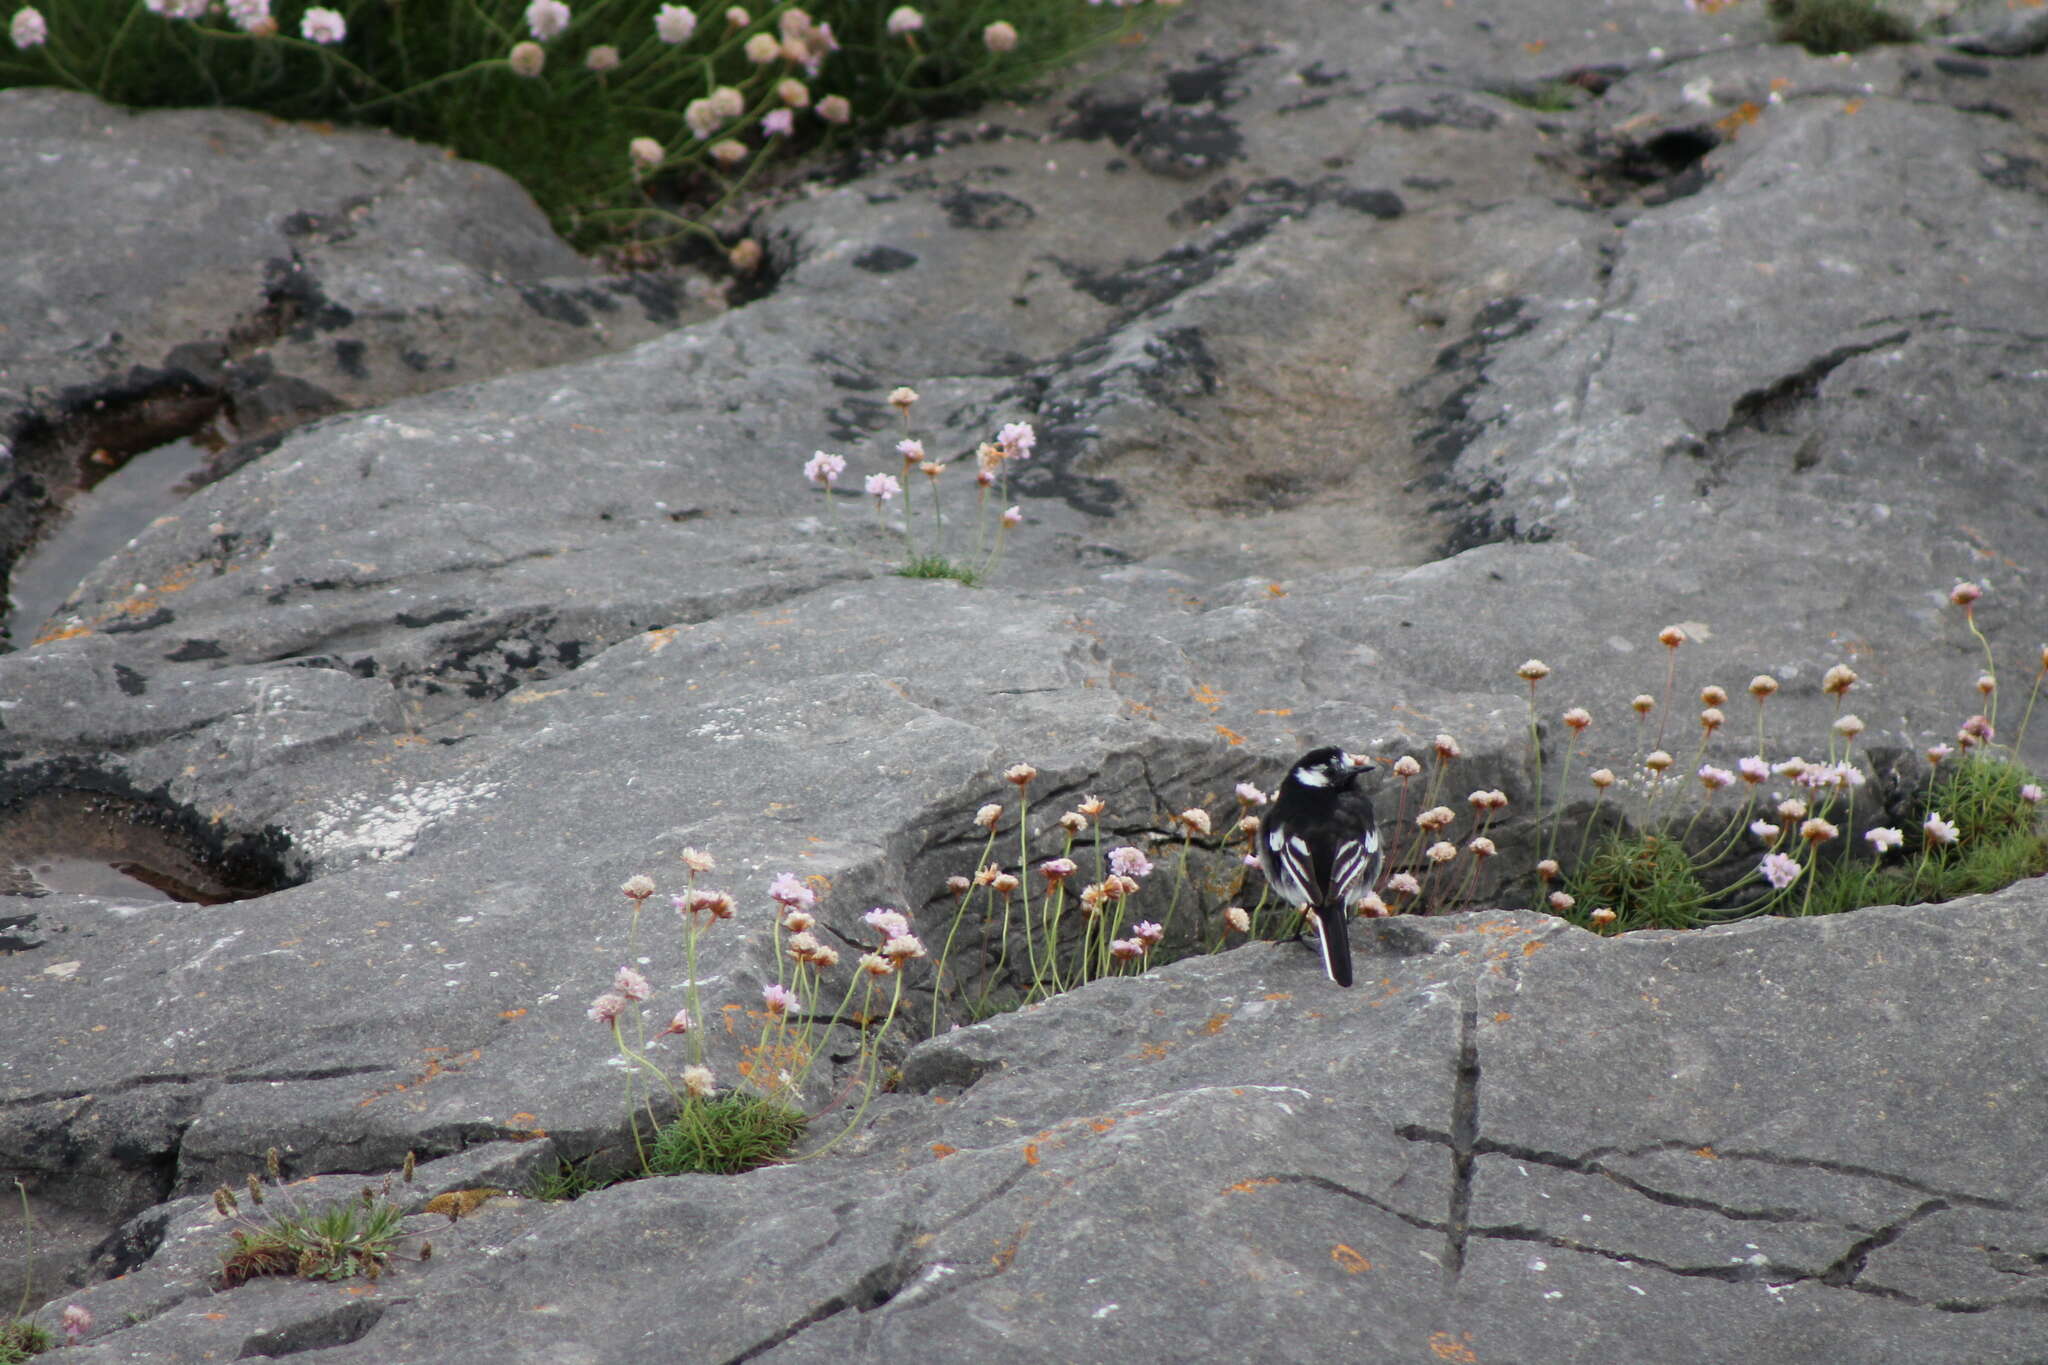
column 568, row 1180
column 21, row 1338
column 339, row 1242
column 439, row 72
column 1648, row 880
column 724, row 1136
column 938, row 566
column 1551, row 97
column 1825, row 27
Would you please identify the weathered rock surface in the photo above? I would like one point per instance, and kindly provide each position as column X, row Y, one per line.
column 1356, row 383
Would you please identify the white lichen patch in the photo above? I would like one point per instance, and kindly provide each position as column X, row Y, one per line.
column 354, row 829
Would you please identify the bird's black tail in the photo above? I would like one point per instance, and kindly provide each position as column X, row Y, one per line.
column 1333, row 934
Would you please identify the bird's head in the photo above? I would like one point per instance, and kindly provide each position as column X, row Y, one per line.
column 1329, row 768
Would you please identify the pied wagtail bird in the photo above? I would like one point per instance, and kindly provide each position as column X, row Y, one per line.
column 1319, row 849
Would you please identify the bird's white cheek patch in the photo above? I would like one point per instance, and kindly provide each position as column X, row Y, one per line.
column 1298, row 844
column 1311, row 777
column 1372, row 841
column 1273, row 840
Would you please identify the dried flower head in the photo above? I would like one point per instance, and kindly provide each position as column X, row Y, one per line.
column 987, row 816
column 762, row 49
column 1713, row 778
column 1979, row 728
column 1838, row 680
column 645, row 153
column 1849, row 726
column 1092, row 806
column 1057, row 870
column 1092, row 897
column 1237, row 919
column 637, row 888
column 1548, row 870
column 1481, row 800
column 699, row 1081
column 1817, row 831
column 1671, row 637
column 736, row 16
column 1762, row 685
column 607, row 1008
column 1643, row 703
column 799, row 921
column 1602, row 917
column 729, row 153
column 1404, row 884
column 902, row 948
column 1435, row 818
column 1406, row 767
column 1791, row 808
column 1711, row 695
column 1481, row 847
column 1447, row 749
column 835, row 109
column 999, row 37
column 825, row 957
column 1561, row 901
column 1986, row 683
column 1603, row 778
column 1019, row 774
column 526, row 59
column 1712, row 719
column 1965, row 594
column 802, row 946
column 1074, row 823
column 874, row 964
column 678, row 1023
column 793, row 93
column 1003, row 883
column 1533, row 671
column 1195, row 820
column 1578, row 718
column 716, row 904
column 1442, row 851
column 697, row 861
column 745, row 256
column 602, row 58
column 958, row 885
column 1657, row 761
column 1372, row 907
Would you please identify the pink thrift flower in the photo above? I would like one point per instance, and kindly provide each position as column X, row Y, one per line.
column 675, row 23
column 323, row 26
column 1713, row 779
column 2031, row 793
column 1147, row 932
column 1763, row 829
column 631, row 984
column 911, row 451
column 679, row 1024
column 882, row 487
column 1237, row 919
column 835, row 109
column 1017, row 440
column 1129, row 862
column 27, row 29
column 902, row 947
column 1884, row 840
column 1779, row 870
column 778, row 999
column 1249, row 795
column 546, row 19
column 778, row 123
column 999, row 36
column 607, row 1008
column 76, row 1322
column 903, row 21
column 1940, row 831
column 787, row 889
column 1126, row 949
column 1013, row 516
column 1404, row 884
column 825, row 469
column 1753, row 769
column 886, row 922
column 1057, row 870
